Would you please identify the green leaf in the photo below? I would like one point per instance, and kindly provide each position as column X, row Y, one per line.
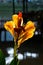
column 2, row 58
column 15, row 61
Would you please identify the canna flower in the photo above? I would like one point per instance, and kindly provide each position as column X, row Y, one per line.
column 20, row 32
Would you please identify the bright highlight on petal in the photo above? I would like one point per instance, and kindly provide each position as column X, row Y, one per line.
column 30, row 25
column 9, row 27
column 15, row 20
column 25, row 37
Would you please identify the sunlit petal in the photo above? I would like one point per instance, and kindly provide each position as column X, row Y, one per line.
column 28, row 33
column 15, row 16
column 15, row 20
column 22, row 22
column 25, row 37
column 29, row 24
column 30, row 27
column 9, row 27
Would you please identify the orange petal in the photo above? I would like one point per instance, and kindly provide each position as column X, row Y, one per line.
column 15, row 20
column 15, row 16
column 28, row 33
column 30, row 27
column 25, row 37
column 9, row 27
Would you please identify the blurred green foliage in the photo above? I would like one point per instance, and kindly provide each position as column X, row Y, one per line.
column 6, row 9
column 2, row 58
column 15, row 61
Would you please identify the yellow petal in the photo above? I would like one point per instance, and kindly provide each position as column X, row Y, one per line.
column 15, row 16
column 30, row 27
column 15, row 20
column 9, row 27
column 25, row 37
column 28, row 33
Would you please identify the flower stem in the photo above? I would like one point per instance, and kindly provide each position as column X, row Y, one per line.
column 15, row 49
column 15, row 53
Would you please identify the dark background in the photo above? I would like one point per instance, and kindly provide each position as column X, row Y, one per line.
column 32, row 10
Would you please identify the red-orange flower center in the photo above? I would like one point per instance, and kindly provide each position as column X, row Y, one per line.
column 20, row 14
column 18, row 30
column 20, row 19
